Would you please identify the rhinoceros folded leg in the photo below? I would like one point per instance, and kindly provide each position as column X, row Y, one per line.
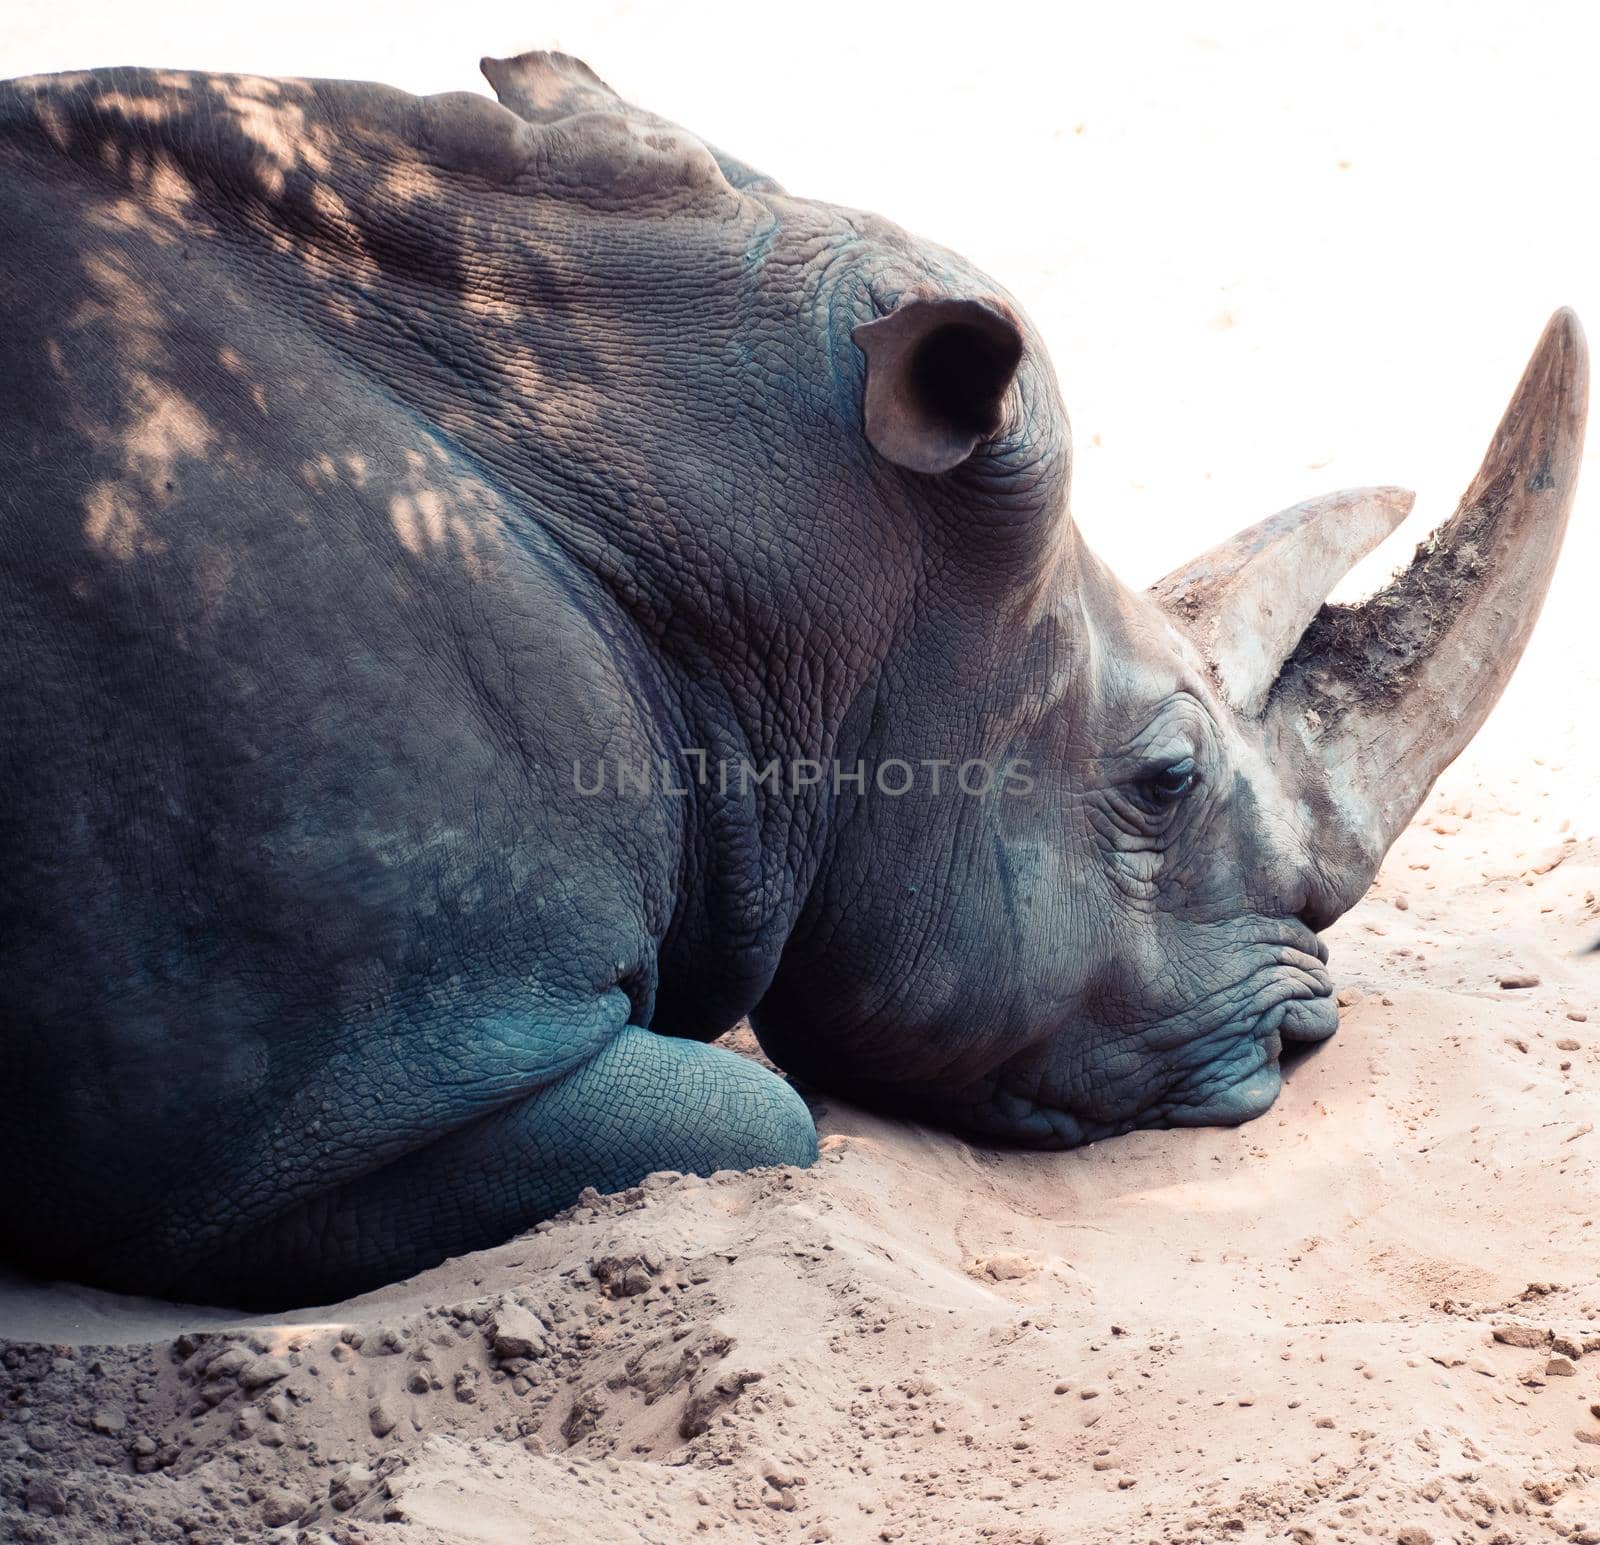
column 644, row 1102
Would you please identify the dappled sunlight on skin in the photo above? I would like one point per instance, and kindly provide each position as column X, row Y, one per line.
column 231, row 361
column 154, row 426
column 428, row 518
column 145, row 417
column 406, row 184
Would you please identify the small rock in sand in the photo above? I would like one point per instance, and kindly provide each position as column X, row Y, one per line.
column 1559, row 1367
column 1413, row 1536
column 1521, row 1335
column 1568, row 1044
column 108, row 1419
column 348, row 1485
column 381, row 1419
column 1513, row 980
column 281, row 1506
column 1003, row 1267
column 42, row 1495
column 261, row 1371
column 519, row 1332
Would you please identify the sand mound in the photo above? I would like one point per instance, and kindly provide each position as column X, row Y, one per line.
column 1376, row 1310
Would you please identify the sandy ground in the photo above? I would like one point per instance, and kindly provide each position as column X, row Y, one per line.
column 1270, row 262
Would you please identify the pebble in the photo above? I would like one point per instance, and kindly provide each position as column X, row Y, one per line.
column 519, row 1332
column 1521, row 1336
column 108, row 1419
column 261, row 1371
column 282, row 1506
column 1518, row 979
column 43, row 1495
column 348, row 1485
column 226, row 1364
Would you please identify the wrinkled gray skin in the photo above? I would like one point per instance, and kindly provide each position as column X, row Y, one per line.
column 367, row 461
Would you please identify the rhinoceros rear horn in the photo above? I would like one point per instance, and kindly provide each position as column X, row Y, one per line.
column 937, row 376
column 1385, row 694
column 1247, row 602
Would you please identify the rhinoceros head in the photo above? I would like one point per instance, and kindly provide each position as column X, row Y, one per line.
column 1062, row 850
column 1114, row 921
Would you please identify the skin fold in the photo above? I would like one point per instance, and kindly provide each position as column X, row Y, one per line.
column 376, row 470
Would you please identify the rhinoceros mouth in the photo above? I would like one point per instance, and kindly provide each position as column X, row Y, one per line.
column 1308, row 1019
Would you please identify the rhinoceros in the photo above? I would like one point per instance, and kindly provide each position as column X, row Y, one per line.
column 493, row 593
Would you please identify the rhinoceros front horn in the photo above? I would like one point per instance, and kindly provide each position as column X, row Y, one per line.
column 1385, row 694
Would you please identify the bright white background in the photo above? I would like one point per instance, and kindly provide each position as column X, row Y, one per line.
column 1275, row 249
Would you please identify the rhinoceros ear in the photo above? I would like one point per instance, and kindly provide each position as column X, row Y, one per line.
column 937, row 376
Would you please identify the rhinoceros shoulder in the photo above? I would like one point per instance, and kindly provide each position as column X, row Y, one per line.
column 271, row 139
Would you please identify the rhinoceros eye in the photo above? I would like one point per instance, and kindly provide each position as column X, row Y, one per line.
column 1172, row 782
